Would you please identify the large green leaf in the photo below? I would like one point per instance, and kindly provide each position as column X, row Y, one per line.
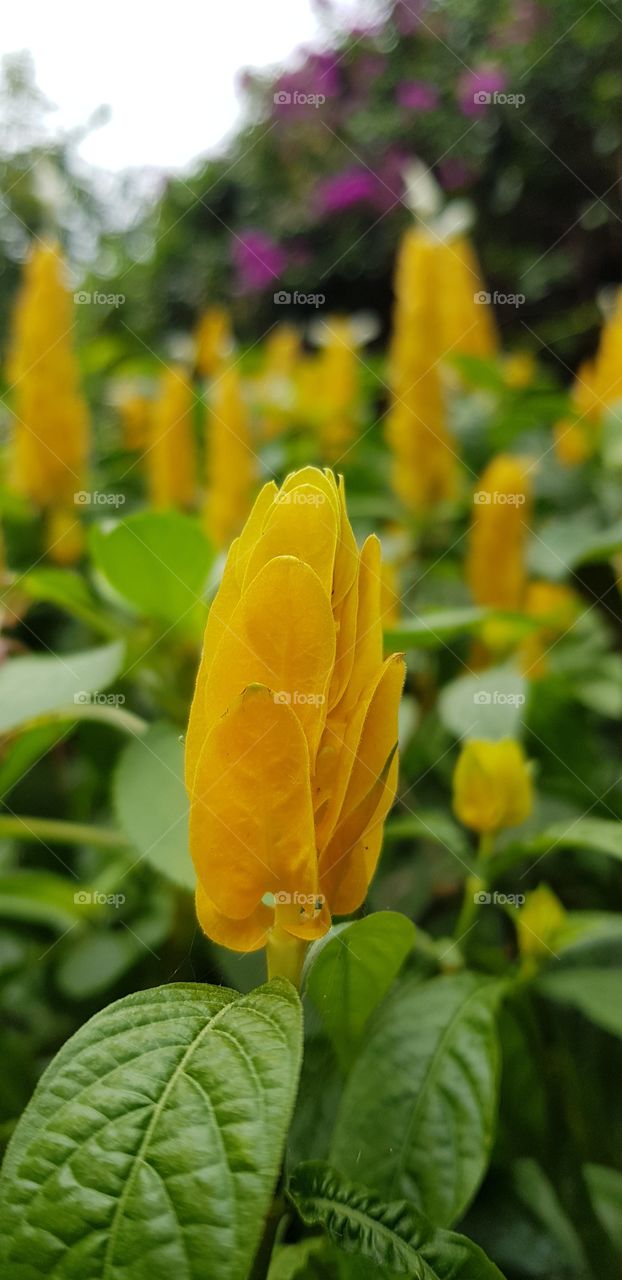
column 151, row 803
column 152, row 1145
column 348, row 972
column 596, row 992
column 158, row 561
column 596, row 835
column 395, row 1235
column 429, row 630
column 38, row 684
column 490, row 704
column 418, row 1109
column 67, row 589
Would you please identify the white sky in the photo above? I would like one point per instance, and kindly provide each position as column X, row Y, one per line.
column 167, row 70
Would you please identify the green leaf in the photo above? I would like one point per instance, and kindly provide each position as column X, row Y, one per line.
column 564, row 542
column 302, row 1261
column 594, row 835
column 36, row 685
column 151, row 804
column 158, row 561
column 595, row 992
column 419, row 1106
column 67, row 589
column 40, row 897
column 429, row 630
column 152, row 1145
column 393, row 1235
column 487, row 705
column 349, row 971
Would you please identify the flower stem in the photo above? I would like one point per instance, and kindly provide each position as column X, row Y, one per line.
column 285, row 955
column 475, row 884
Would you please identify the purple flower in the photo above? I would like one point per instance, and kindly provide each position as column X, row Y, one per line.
column 476, row 88
column 258, row 260
column 298, row 94
column 417, row 95
column 351, row 187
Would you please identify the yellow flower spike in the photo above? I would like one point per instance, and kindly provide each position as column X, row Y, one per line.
column 135, row 414
column 466, row 324
column 557, row 608
column 495, row 568
column 492, row 786
column 277, row 381
column 539, row 920
column 424, row 458
column 171, row 462
column 291, row 761
column 576, row 439
column 213, row 341
column 231, row 462
column 338, row 388
column 50, row 443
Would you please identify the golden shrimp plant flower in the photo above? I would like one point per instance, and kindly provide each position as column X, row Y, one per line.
column 492, row 785
column 291, row 759
column 51, row 426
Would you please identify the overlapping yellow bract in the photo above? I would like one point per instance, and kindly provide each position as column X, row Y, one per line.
column 597, row 387
column 291, row 763
column 492, row 785
column 436, row 316
column 213, row 341
column 171, row 457
column 231, row 461
column 337, row 388
column 495, row 567
column 51, row 427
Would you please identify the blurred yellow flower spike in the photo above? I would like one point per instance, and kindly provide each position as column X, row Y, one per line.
column 276, row 389
column 465, row 313
column 291, row 750
column 539, row 920
column 213, row 341
column 231, row 462
column 576, row 437
column 135, row 414
column 337, row 388
column 557, row 608
column 495, row 566
column 424, row 457
column 492, row 786
column 50, row 443
column 171, row 457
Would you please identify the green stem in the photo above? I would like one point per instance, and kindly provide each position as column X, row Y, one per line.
column 25, row 828
column 476, row 884
column 285, row 956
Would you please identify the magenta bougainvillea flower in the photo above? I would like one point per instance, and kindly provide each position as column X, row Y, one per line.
column 417, row 95
column 475, row 89
column 350, row 187
column 258, row 260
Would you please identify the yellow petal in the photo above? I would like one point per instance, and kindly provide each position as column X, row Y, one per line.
column 349, row 861
column 248, row 934
column 347, row 553
column 220, row 612
column 251, row 820
column 253, row 528
column 281, row 634
column 304, row 526
column 368, row 643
